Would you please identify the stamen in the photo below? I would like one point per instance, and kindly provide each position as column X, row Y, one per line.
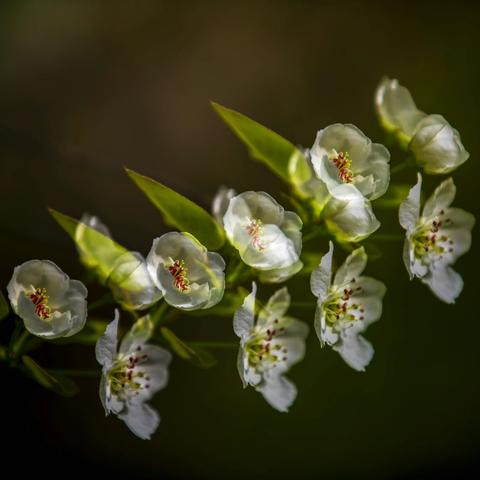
column 254, row 229
column 39, row 298
column 179, row 273
column 344, row 165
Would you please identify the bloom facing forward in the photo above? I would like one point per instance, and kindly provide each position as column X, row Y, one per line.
column 189, row 276
column 346, row 306
column 132, row 375
column 265, row 235
column 49, row 303
column 345, row 159
column 436, row 145
column 269, row 346
column 435, row 239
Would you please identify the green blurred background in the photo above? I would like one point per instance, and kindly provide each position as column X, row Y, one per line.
column 87, row 87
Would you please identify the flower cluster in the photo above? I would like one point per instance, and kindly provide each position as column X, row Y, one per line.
column 204, row 264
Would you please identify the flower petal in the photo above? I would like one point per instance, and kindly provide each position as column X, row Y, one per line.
column 445, row 283
column 279, row 392
column 409, row 210
column 243, row 319
column 356, row 351
column 321, row 277
column 141, row 419
column 106, row 345
column 353, row 266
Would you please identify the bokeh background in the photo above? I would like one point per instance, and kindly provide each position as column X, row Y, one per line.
column 87, row 87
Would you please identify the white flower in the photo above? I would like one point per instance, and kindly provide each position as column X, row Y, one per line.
column 435, row 239
column 346, row 306
column 49, row 303
column 126, row 274
column 189, row 276
column 351, row 219
column 346, row 159
column 220, row 202
column 435, row 144
column 132, row 375
column 280, row 275
column 269, row 346
column 265, row 235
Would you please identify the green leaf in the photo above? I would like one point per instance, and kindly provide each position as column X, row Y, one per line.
column 281, row 156
column 4, row 308
column 89, row 334
column 97, row 251
column 394, row 196
column 180, row 212
column 57, row 383
column 199, row 356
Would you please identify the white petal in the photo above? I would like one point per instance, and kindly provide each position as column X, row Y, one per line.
column 441, row 198
column 220, row 202
column 240, row 366
column 321, row 277
column 409, row 210
column 445, row 283
column 353, row 266
column 279, row 275
column 243, row 319
column 106, row 345
column 276, row 307
column 279, row 392
column 356, row 351
column 141, row 419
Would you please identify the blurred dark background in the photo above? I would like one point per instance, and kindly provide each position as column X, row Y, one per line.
column 87, row 87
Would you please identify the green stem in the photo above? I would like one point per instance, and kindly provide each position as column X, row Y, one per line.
column 3, row 353
column 17, row 348
column 75, row 373
column 219, row 345
column 408, row 162
column 107, row 299
column 159, row 312
column 318, row 232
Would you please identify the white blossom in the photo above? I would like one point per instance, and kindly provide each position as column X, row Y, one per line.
column 345, row 159
column 132, row 375
column 49, row 303
column 189, row 276
column 220, row 202
column 269, row 345
column 266, row 236
column 346, row 306
column 435, row 239
column 435, row 144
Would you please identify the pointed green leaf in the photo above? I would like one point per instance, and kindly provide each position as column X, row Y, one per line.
column 281, row 156
column 180, row 212
column 57, row 383
column 200, row 357
column 4, row 308
column 96, row 250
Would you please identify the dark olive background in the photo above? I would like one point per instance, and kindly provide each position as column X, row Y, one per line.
column 89, row 87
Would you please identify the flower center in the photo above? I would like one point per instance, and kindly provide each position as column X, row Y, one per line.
column 126, row 375
column 428, row 240
column 264, row 348
column 254, row 229
column 179, row 273
column 339, row 308
column 344, row 165
column 39, row 298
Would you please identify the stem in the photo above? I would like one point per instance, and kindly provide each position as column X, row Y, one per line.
column 408, row 162
column 3, row 353
column 158, row 313
column 75, row 373
column 318, row 232
column 17, row 348
column 107, row 299
column 219, row 345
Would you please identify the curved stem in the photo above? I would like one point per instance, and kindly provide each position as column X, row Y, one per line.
column 107, row 299
column 17, row 348
column 408, row 162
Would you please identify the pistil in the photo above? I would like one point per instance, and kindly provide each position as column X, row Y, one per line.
column 39, row 298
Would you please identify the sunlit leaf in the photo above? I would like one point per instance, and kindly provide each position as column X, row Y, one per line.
column 58, row 383
column 97, row 250
column 4, row 308
column 180, row 212
column 281, row 156
column 199, row 356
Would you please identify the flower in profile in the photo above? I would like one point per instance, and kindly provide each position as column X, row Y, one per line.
column 189, row 276
column 132, row 375
column 345, row 159
column 265, row 235
column 220, row 202
column 436, row 145
column 346, row 306
column 124, row 272
column 269, row 346
column 435, row 239
column 49, row 303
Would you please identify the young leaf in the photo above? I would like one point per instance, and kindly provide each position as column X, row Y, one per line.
column 4, row 308
column 97, row 251
column 200, row 357
column 281, row 156
column 57, row 383
column 180, row 212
